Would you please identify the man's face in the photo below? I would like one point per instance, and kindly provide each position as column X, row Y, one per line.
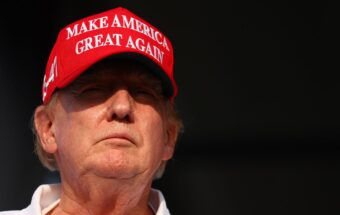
column 111, row 123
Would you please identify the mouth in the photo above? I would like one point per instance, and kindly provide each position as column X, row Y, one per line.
column 118, row 140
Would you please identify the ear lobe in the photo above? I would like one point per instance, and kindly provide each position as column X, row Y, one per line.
column 43, row 122
column 170, row 142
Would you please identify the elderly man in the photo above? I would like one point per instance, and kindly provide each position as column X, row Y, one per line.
column 107, row 122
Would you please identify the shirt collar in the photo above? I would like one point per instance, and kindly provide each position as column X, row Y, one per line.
column 47, row 196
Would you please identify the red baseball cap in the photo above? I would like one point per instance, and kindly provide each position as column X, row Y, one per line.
column 116, row 32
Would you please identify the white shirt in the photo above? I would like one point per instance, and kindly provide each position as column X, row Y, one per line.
column 47, row 196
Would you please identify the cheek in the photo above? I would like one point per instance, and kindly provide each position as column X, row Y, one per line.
column 72, row 135
column 75, row 124
column 154, row 132
column 67, row 129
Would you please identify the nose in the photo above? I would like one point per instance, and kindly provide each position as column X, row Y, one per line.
column 120, row 106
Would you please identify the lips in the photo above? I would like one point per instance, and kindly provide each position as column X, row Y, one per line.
column 120, row 138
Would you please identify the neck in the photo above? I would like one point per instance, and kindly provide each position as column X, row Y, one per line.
column 105, row 197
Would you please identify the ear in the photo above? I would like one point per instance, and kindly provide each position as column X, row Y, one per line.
column 170, row 141
column 44, row 126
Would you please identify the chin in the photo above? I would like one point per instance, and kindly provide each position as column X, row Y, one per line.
column 113, row 172
column 117, row 165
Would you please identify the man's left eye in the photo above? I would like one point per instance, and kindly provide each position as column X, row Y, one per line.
column 144, row 93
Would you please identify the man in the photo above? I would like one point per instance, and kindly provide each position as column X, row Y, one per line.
column 107, row 122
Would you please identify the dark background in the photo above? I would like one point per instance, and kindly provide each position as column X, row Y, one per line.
column 258, row 93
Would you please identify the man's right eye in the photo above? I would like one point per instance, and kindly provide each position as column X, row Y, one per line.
column 91, row 92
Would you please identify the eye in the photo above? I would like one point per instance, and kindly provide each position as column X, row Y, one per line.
column 91, row 92
column 86, row 90
column 144, row 93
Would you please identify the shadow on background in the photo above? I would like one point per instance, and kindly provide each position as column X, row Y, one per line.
column 258, row 93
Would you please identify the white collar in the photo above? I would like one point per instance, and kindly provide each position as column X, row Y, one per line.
column 47, row 196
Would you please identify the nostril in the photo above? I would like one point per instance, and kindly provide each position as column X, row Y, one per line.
column 121, row 117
